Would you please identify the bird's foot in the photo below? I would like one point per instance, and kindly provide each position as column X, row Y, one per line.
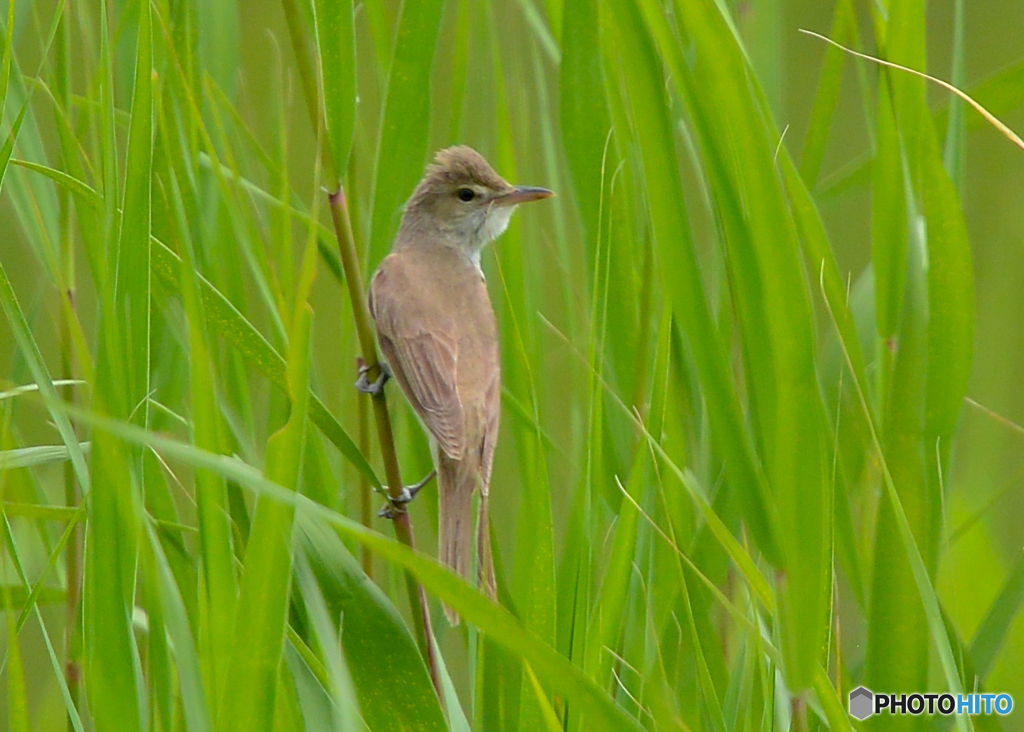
column 363, row 382
column 396, row 504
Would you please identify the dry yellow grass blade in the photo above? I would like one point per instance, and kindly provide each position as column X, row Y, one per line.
column 992, row 119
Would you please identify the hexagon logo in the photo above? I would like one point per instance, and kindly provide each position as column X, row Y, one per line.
column 861, row 703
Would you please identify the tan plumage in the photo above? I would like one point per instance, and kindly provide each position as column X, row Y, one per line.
column 438, row 334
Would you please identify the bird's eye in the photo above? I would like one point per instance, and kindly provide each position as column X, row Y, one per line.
column 466, row 194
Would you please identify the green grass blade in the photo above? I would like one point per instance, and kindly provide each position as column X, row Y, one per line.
column 786, row 403
column 82, row 190
column 992, row 633
column 192, row 691
column 211, row 494
column 335, row 38
column 549, row 720
column 380, row 653
column 705, row 682
column 5, row 66
column 43, row 513
column 111, row 653
column 551, row 667
column 160, row 681
column 844, row 23
column 37, row 367
column 951, row 304
column 345, row 707
column 1000, row 94
column 116, row 691
column 654, row 134
column 224, row 320
column 131, row 288
column 834, row 708
column 8, row 146
column 585, row 121
column 892, row 607
column 402, row 145
column 24, row 457
column 17, row 703
column 74, row 721
column 457, row 721
column 248, row 701
column 108, row 162
column 933, row 339
column 956, row 129
column 610, row 604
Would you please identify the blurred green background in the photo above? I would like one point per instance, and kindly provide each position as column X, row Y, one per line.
column 586, row 300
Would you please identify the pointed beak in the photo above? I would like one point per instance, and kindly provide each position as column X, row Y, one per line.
column 522, row 194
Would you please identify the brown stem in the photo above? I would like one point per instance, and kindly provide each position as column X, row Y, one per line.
column 72, row 643
column 72, row 495
column 799, row 711
column 353, row 276
column 403, row 527
column 365, row 495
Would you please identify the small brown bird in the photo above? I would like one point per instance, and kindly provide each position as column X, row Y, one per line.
column 437, row 331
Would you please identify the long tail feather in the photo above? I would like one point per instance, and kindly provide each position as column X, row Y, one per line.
column 484, row 557
column 456, row 482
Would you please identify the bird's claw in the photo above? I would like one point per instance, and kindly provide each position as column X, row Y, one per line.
column 363, row 383
column 396, row 504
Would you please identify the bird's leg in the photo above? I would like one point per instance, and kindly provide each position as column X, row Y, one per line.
column 363, row 383
column 396, row 504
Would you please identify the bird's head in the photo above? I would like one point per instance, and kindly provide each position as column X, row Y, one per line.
column 462, row 200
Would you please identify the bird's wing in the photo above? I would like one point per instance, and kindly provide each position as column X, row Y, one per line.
column 424, row 361
column 492, row 420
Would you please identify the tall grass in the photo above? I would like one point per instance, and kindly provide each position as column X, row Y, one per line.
column 722, row 496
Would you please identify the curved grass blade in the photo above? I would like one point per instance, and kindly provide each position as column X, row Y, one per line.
column 992, row 632
column 744, row 562
column 790, row 428
column 654, row 134
column 37, row 367
column 380, row 653
column 8, row 146
column 498, row 623
column 25, row 457
column 225, row 320
column 86, row 193
column 926, row 589
column 1000, row 93
column 988, row 116
column 336, row 680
